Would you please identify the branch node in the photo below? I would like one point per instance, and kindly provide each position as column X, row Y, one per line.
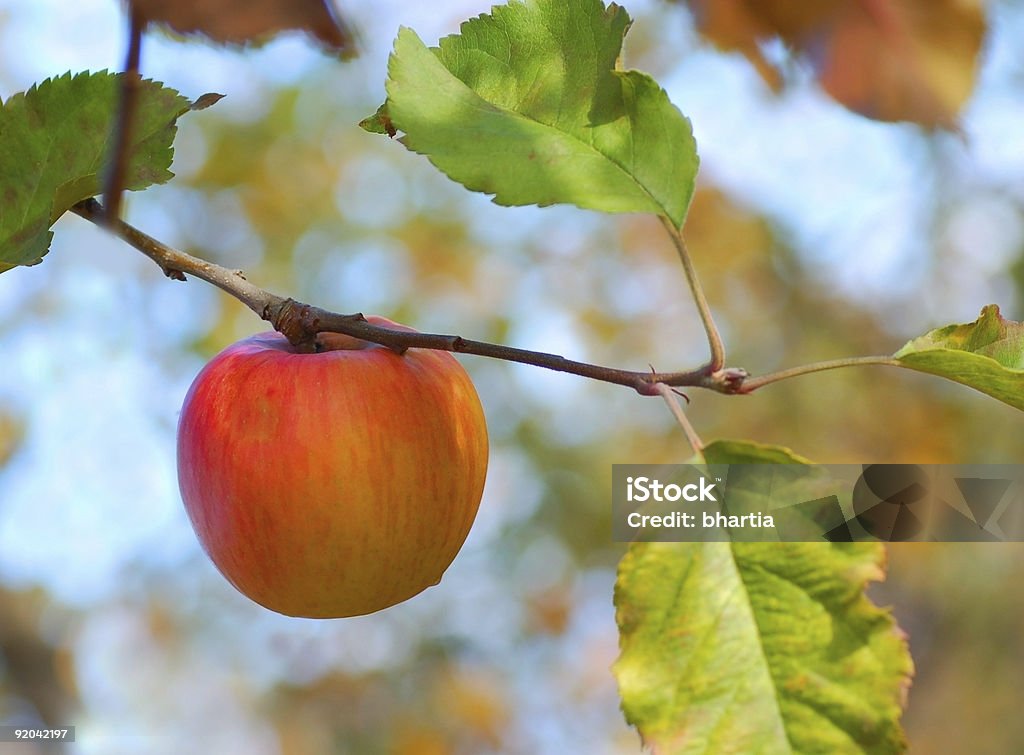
column 647, row 386
column 728, row 380
column 292, row 321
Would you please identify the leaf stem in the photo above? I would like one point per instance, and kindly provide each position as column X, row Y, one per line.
column 676, row 408
column 113, row 185
column 751, row 384
column 717, row 360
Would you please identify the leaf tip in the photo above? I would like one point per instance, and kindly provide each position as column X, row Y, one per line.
column 379, row 122
column 207, row 100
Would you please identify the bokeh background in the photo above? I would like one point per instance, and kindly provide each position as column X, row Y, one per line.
column 819, row 233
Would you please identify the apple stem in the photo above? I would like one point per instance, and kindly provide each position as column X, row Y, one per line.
column 301, row 323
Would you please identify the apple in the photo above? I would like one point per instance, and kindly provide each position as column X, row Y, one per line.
column 335, row 483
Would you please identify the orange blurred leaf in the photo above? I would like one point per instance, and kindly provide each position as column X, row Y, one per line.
column 475, row 702
column 420, row 740
column 242, row 21
column 891, row 60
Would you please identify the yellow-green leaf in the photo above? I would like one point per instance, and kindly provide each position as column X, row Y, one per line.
column 758, row 647
column 987, row 355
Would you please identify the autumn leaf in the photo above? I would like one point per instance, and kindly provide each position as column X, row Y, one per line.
column 987, row 355
column 242, row 21
column 899, row 60
column 759, row 647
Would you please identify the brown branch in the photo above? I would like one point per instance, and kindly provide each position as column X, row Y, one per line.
column 113, row 185
column 175, row 264
column 300, row 323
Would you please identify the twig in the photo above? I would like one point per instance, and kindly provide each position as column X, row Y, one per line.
column 751, row 384
column 676, row 408
column 717, row 360
column 175, row 263
column 113, row 185
column 301, row 322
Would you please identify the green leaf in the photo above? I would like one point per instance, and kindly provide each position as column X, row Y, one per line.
column 758, row 647
column 379, row 122
column 987, row 355
column 529, row 104
column 747, row 452
column 54, row 140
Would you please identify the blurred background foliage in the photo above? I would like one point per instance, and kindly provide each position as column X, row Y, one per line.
column 818, row 233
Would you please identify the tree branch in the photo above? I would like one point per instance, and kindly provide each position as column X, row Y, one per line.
column 113, row 185
column 300, row 322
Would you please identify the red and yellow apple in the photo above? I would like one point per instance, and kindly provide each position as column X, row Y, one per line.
column 335, row 483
